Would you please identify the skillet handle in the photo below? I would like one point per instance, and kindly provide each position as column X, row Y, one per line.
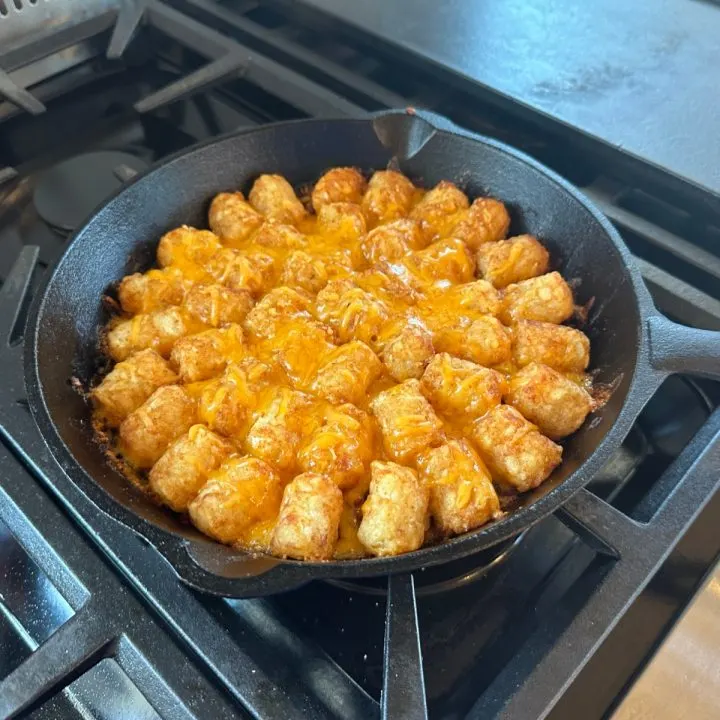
column 403, row 694
column 677, row 348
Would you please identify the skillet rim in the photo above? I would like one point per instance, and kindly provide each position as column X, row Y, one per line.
column 642, row 384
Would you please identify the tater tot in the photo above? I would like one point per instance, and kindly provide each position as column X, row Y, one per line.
column 275, row 435
column 381, row 282
column 176, row 478
column 393, row 241
column 340, row 261
column 146, row 432
column 546, row 298
column 282, row 237
column 242, row 271
column 394, row 516
column 205, row 355
column 558, row 406
column 216, row 305
column 158, row 331
column 309, row 519
column 274, row 197
column 440, row 264
column 559, row 346
column 153, row 290
column 342, row 220
column 462, row 496
column 232, row 218
column 341, row 447
column 488, row 341
column 510, row 261
column 407, row 421
column 226, row 403
column 483, row 339
column 300, row 346
column 518, row 455
column 438, row 210
column 408, row 353
column 305, row 272
column 460, row 388
column 339, row 185
column 486, row 220
column 389, row 197
column 278, row 306
column 186, row 245
column 350, row 311
column 347, row 374
column 447, row 194
column 479, row 296
column 240, row 494
column 130, row 384
column 442, row 309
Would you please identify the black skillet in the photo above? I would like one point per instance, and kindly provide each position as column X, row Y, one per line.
column 633, row 347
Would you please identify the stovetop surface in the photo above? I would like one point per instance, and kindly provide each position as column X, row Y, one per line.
column 635, row 76
column 490, row 639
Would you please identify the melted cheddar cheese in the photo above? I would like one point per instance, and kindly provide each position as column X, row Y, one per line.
column 300, row 383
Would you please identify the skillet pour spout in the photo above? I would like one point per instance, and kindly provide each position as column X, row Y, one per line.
column 634, row 348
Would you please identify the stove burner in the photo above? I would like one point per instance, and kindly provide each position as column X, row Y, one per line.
column 67, row 193
column 441, row 578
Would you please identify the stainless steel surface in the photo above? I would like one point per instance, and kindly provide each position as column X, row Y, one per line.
column 55, row 64
column 682, row 681
column 26, row 21
column 19, row 96
column 50, row 27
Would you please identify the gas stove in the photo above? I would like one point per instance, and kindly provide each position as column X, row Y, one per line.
column 558, row 622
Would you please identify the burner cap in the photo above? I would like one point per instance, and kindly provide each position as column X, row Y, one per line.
column 67, row 193
column 440, row 578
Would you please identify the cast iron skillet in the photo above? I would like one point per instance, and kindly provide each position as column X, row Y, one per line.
column 632, row 346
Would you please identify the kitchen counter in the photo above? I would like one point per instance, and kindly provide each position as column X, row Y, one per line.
column 682, row 681
column 640, row 76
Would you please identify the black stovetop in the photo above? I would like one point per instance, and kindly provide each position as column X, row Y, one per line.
column 557, row 626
